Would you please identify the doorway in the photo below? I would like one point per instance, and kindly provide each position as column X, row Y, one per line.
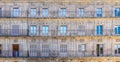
column 15, row 50
column 99, row 49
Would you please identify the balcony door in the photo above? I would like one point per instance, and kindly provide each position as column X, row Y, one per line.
column 99, row 49
column 15, row 48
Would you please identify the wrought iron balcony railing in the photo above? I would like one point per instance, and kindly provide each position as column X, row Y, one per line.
column 51, row 54
column 87, row 32
column 58, row 14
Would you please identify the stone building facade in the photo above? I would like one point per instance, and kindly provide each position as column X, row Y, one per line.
column 59, row 31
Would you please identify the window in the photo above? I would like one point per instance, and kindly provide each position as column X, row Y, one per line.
column 63, row 48
column 33, row 47
column 63, row 12
column 117, row 30
column 45, row 29
column 117, row 12
column 63, row 29
column 99, row 30
column 33, row 29
column 16, row 12
column 99, row 12
column 15, row 30
column 33, row 11
column 117, row 49
column 81, row 12
column 83, row 47
column 99, row 49
column 45, row 12
column 45, row 48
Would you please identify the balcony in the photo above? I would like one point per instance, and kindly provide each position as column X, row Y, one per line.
column 51, row 54
column 57, row 14
column 54, row 33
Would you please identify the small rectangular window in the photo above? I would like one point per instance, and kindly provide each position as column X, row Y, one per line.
column 80, row 12
column 99, row 49
column 33, row 11
column 63, row 48
column 16, row 12
column 83, row 47
column 117, row 12
column 117, row 30
column 99, row 12
column 33, row 30
column 99, row 30
column 45, row 48
column 117, row 49
column 63, row 12
column 63, row 29
column 45, row 12
column 45, row 29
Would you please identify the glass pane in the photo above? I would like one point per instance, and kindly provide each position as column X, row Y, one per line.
column 99, row 12
column 81, row 12
column 33, row 29
column 118, row 29
column 33, row 12
column 15, row 12
column 83, row 47
column 99, row 30
column 63, row 12
column 45, row 29
column 63, row 29
column 117, row 12
column 45, row 12
column 115, row 30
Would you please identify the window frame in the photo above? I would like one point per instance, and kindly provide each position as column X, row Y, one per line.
column 45, row 12
column 99, row 30
column 63, row 12
column 33, row 12
column 33, row 30
column 117, row 12
column 45, row 29
column 16, row 12
column 63, row 29
column 99, row 12
column 81, row 12
column 117, row 30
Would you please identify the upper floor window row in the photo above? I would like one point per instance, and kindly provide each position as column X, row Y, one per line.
column 62, row 12
column 61, row 30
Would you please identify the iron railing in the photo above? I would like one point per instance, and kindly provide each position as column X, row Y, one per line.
column 52, row 54
column 57, row 14
column 27, row 32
